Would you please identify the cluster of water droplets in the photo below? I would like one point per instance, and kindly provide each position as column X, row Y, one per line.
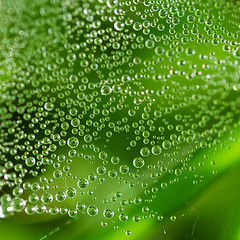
column 101, row 100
